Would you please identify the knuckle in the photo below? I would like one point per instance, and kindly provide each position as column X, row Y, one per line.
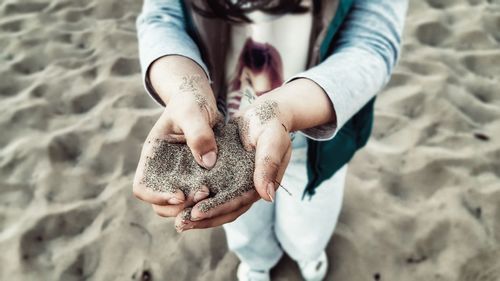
column 207, row 215
column 270, row 162
column 249, row 196
column 200, row 225
column 207, row 224
column 203, row 136
column 189, row 114
column 210, row 214
column 240, row 204
column 274, row 164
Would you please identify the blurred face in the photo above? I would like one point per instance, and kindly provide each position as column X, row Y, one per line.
column 236, row 10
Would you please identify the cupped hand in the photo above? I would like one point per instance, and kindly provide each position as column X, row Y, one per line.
column 189, row 117
column 263, row 128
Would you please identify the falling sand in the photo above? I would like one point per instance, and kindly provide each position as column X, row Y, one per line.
column 172, row 166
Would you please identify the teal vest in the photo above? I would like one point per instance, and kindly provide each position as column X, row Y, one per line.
column 325, row 158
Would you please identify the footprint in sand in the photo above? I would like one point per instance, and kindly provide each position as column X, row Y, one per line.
column 37, row 243
column 485, row 266
column 432, row 33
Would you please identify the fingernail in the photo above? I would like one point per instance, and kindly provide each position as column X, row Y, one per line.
column 270, row 191
column 200, row 195
column 185, row 227
column 180, row 228
column 209, row 159
column 195, row 219
column 174, row 201
column 188, row 228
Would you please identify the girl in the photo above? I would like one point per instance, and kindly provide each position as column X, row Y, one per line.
column 203, row 58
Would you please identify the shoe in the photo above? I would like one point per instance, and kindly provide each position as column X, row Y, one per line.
column 314, row 270
column 244, row 273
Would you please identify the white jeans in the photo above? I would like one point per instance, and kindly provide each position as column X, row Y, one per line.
column 299, row 227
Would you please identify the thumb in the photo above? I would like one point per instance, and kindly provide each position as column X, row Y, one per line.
column 201, row 140
column 270, row 161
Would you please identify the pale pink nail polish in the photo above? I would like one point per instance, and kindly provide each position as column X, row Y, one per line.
column 209, row 159
column 270, row 191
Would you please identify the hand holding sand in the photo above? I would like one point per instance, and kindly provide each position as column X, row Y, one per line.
column 171, row 167
column 262, row 130
column 243, row 167
column 189, row 116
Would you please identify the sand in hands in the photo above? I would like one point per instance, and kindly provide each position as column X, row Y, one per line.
column 172, row 166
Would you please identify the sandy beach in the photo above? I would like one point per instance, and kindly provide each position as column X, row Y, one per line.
column 422, row 199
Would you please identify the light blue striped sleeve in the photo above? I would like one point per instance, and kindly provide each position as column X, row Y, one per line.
column 364, row 56
column 161, row 31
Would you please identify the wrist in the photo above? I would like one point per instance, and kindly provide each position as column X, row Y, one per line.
column 285, row 108
column 303, row 104
column 193, row 93
column 167, row 74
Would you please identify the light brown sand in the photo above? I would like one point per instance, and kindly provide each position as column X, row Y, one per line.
column 172, row 166
column 421, row 202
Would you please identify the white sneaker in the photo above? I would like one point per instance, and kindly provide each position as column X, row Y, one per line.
column 314, row 270
column 244, row 273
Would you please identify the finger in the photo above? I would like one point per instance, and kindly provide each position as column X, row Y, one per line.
column 162, row 127
column 244, row 132
column 168, row 211
column 182, row 219
column 231, row 205
column 156, row 197
column 281, row 171
column 216, row 221
column 196, row 195
column 173, row 210
column 199, row 194
column 142, row 192
column 271, row 148
column 201, row 140
column 174, row 138
column 166, row 129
